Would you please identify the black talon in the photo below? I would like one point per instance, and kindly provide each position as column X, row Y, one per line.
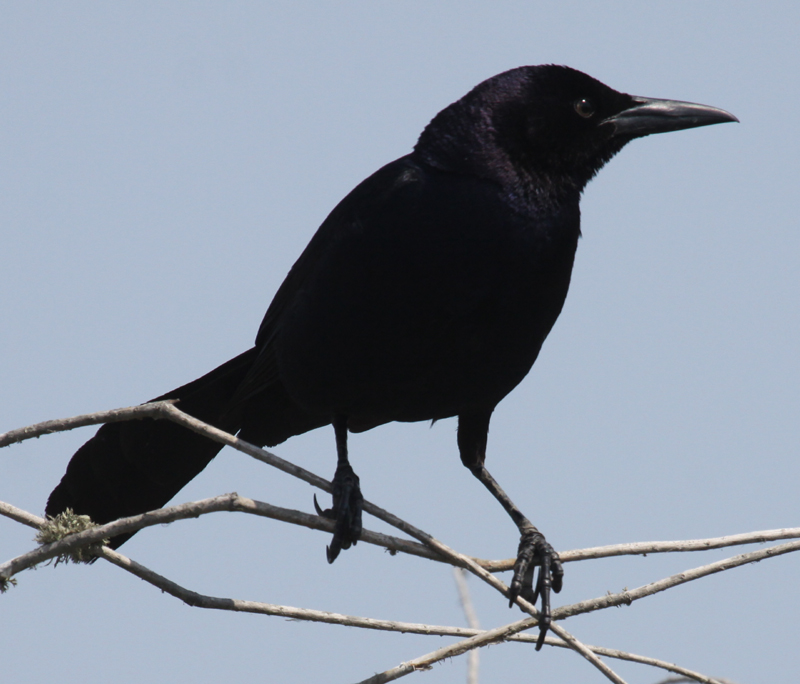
column 535, row 550
column 346, row 511
column 347, row 499
column 522, row 581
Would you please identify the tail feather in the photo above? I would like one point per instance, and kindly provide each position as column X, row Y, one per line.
column 131, row 467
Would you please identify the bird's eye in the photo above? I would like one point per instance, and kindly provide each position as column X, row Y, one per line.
column 584, row 107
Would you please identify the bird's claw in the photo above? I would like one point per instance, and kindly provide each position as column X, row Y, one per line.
column 346, row 511
column 535, row 550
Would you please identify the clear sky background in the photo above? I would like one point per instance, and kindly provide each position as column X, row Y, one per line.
column 162, row 165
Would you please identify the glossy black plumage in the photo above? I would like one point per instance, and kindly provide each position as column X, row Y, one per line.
column 426, row 293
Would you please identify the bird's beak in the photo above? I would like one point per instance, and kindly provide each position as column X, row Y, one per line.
column 649, row 115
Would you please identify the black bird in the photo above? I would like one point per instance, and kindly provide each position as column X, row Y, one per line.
column 427, row 293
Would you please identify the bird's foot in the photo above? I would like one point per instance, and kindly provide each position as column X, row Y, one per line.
column 346, row 511
column 535, row 550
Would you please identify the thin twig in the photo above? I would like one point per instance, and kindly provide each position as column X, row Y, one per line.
column 29, row 519
column 226, row 502
column 630, row 657
column 193, row 598
column 167, row 410
column 644, row 548
column 426, row 661
column 162, row 410
column 152, row 410
column 466, row 562
column 491, row 636
column 464, row 597
column 629, row 596
column 234, row 502
column 209, row 602
column 473, row 657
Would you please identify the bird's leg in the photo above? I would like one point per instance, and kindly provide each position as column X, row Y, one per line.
column 533, row 550
column 347, row 499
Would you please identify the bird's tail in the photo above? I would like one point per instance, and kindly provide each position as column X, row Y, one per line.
column 131, row 467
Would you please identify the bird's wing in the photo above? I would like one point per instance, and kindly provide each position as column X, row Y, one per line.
column 363, row 205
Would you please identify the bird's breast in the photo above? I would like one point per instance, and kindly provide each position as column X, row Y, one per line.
column 430, row 314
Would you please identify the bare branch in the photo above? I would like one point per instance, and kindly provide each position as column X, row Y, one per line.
column 20, row 516
column 209, row 602
column 193, row 598
column 231, row 502
column 623, row 655
column 629, row 596
column 473, row 658
column 234, row 502
column 425, row 662
column 466, row 562
column 199, row 600
column 226, row 502
column 167, row 410
column 151, row 410
column 460, row 576
column 644, row 548
column 430, row 548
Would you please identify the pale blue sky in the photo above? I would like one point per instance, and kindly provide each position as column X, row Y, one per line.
column 162, row 165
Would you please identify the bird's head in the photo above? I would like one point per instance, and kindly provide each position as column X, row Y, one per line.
column 548, row 129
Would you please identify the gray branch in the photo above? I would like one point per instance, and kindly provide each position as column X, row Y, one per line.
column 429, row 548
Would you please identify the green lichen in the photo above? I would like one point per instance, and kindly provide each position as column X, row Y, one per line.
column 64, row 524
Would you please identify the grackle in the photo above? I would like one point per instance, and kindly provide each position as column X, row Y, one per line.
column 426, row 293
